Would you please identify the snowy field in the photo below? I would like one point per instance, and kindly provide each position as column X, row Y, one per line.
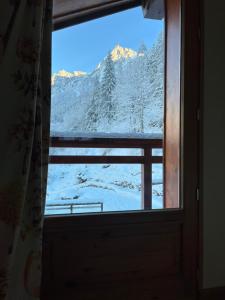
column 116, row 186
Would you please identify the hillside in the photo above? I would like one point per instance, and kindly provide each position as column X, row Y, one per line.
column 123, row 95
column 80, row 102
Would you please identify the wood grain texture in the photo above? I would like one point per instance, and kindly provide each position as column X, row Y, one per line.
column 103, row 142
column 113, row 256
column 172, row 113
column 70, row 12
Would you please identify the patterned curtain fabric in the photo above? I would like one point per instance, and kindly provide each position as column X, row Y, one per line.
column 25, row 76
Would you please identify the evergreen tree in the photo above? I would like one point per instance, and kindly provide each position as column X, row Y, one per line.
column 155, row 56
column 155, row 75
column 93, row 112
column 139, row 92
column 142, row 49
column 136, row 114
column 107, row 88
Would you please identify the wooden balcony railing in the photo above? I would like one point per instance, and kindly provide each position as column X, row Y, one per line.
column 146, row 143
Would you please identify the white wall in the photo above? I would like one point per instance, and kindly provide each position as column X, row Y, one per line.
column 213, row 195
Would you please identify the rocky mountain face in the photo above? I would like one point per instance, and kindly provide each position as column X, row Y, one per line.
column 124, row 94
column 119, row 53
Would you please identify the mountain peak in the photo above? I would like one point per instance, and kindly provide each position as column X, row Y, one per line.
column 63, row 73
column 120, row 52
column 79, row 73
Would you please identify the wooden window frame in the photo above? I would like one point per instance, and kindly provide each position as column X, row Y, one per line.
column 172, row 92
column 185, row 178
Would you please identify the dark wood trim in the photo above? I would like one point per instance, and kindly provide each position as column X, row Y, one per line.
column 190, row 97
column 89, row 142
column 217, row 293
column 200, row 145
column 77, row 16
column 60, row 222
column 84, row 159
column 181, row 144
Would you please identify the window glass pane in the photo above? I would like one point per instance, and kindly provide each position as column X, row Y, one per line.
column 115, row 187
column 99, row 188
column 157, row 186
column 107, row 76
column 107, row 82
column 157, row 152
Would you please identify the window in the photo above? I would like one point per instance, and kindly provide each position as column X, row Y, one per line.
column 170, row 234
column 107, row 118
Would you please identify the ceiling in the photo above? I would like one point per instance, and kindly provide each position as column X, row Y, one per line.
column 71, row 12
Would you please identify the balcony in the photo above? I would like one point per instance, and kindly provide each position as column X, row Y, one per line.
column 123, row 156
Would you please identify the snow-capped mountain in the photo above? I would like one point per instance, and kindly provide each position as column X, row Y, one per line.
column 124, row 94
column 63, row 73
column 119, row 53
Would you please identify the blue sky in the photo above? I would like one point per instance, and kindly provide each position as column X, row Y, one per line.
column 82, row 47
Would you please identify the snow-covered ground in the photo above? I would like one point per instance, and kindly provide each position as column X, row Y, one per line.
column 124, row 96
column 117, row 186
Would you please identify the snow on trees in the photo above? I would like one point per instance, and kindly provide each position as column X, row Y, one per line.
column 124, row 94
column 107, row 87
column 142, row 49
column 155, row 73
column 93, row 113
column 138, row 99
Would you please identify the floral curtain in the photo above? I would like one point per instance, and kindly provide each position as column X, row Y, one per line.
column 25, row 76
